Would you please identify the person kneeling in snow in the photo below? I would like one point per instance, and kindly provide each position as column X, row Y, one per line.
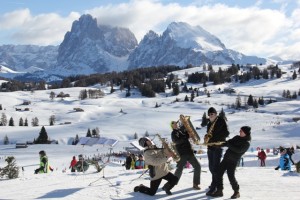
column 156, row 159
column 284, row 161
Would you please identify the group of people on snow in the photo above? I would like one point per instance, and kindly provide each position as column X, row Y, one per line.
column 156, row 160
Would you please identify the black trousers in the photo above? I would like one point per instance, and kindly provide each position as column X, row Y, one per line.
column 171, row 178
column 194, row 162
column 214, row 155
column 229, row 166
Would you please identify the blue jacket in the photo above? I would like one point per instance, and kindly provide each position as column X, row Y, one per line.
column 284, row 162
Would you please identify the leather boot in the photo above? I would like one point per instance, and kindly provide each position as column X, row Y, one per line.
column 210, row 191
column 235, row 195
column 218, row 193
column 166, row 188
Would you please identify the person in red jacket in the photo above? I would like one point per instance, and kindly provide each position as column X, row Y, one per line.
column 73, row 163
column 262, row 156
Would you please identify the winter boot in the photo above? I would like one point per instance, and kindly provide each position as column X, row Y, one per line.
column 196, row 187
column 235, row 195
column 218, row 193
column 210, row 191
column 136, row 188
column 166, row 188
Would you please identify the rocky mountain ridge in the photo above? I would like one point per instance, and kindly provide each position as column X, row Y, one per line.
column 92, row 48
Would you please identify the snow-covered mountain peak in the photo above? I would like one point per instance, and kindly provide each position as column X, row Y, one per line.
column 195, row 37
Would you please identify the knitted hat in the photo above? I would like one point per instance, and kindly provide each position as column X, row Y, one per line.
column 43, row 153
column 211, row 110
column 143, row 141
column 246, row 130
column 281, row 149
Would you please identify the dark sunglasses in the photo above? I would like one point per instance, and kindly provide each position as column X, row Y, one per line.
column 210, row 114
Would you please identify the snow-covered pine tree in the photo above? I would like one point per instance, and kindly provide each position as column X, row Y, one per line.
column 11, row 170
column 204, row 120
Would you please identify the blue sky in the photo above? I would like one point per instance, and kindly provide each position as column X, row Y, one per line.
column 253, row 27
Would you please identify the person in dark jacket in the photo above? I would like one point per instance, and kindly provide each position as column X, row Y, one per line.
column 128, row 161
column 184, row 148
column 156, row 159
column 237, row 146
column 44, row 166
column 290, row 152
column 217, row 131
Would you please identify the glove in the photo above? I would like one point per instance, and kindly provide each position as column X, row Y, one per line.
column 36, row 171
column 276, row 168
column 225, row 144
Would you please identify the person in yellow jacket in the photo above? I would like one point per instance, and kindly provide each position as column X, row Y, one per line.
column 44, row 166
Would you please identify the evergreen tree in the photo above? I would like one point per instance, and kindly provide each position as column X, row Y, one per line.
column 0, row 106
column 294, row 75
column 146, row 134
column 11, row 122
column 294, row 96
column 278, row 73
column 238, row 102
column 52, row 95
column 185, row 89
column 288, row 94
column 175, row 89
column 127, row 93
column 186, row 98
column 43, row 137
column 204, row 120
column 11, row 170
column 250, row 100
column 222, row 114
column 26, row 122
column 255, row 104
column 265, row 74
column 261, row 101
column 21, row 123
column 52, row 120
column 89, row 134
column 208, row 94
column 3, row 119
column 5, row 140
column 135, row 136
column 95, row 132
column 156, row 105
column 284, row 94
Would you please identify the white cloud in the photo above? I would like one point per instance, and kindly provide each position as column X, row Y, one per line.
column 249, row 30
column 252, row 30
column 43, row 29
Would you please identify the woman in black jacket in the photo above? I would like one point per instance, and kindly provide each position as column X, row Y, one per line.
column 237, row 146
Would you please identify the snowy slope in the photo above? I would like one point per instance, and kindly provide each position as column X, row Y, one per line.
column 272, row 125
